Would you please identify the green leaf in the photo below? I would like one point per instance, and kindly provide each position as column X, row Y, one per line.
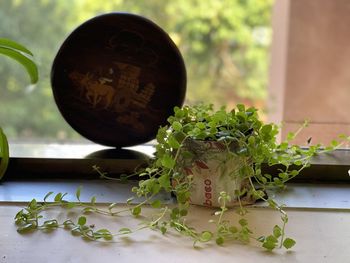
column 173, row 143
column 200, row 125
column 104, row 233
column 136, row 210
column 334, row 143
column 290, row 136
column 51, row 223
column 88, row 210
column 4, row 154
column 288, row 243
column 70, row 205
column 183, row 212
column 8, row 43
column 111, row 206
column 164, row 181
column 271, row 239
column 240, row 107
column 33, row 204
column 26, row 228
column 163, row 229
column 177, row 126
column 266, row 129
column 93, row 200
column 167, row 161
column 206, row 236
column 26, row 62
column 68, row 223
column 277, row 231
column 243, row 222
column 269, row 245
column 58, row 197
column 156, row 204
column 129, row 201
column 125, row 231
column 219, row 241
column 77, row 193
column 82, row 220
column 47, row 195
column 233, row 229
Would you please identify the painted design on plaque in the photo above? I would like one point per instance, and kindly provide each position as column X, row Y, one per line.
column 122, row 95
column 129, row 90
column 117, row 87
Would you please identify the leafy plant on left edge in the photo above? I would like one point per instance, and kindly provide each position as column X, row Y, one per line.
column 23, row 56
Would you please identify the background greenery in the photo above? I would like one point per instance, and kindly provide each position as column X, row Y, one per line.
column 225, row 44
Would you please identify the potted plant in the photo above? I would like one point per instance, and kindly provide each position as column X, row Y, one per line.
column 22, row 55
column 215, row 158
column 198, row 150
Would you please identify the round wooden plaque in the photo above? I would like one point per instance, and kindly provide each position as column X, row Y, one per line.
column 117, row 78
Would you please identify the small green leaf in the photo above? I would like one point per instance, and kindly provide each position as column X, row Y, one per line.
column 77, row 194
column 206, row 236
column 219, row 241
column 26, row 228
column 129, row 201
column 89, row 209
column 334, row 143
column 269, row 245
column 125, row 231
column 58, row 197
column 290, row 136
column 277, row 231
column 51, row 223
column 163, row 229
column 288, row 243
column 33, row 204
column 47, row 195
column 200, row 125
column 240, row 107
column 70, row 205
column 177, row 126
column 68, row 223
column 156, row 204
column 104, row 233
column 82, row 220
column 111, row 206
column 4, row 153
column 136, row 210
column 164, row 181
column 233, row 229
column 93, row 200
column 167, row 161
column 243, row 222
column 183, row 212
column 173, row 143
column 271, row 239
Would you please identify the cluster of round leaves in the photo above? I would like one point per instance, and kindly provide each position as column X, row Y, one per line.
column 252, row 139
column 240, row 128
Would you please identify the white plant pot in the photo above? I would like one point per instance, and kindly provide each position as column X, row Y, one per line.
column 214, row 170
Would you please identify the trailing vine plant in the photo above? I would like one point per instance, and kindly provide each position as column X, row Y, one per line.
column 241, row 134
column 22, row 55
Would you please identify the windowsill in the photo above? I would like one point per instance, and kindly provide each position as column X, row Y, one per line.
column 296, row 196
column 318, row 224
column 75, row 161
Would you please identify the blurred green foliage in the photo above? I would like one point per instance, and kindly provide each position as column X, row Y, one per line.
column 225, row 44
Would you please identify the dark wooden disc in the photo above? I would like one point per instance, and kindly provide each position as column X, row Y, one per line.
column 117, row 78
